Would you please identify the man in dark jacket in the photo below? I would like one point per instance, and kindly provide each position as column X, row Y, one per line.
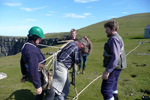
column 30, row 59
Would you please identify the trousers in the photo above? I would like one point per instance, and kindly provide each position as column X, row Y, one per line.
column 84, row 60
column 109, row 86
column 49, row 95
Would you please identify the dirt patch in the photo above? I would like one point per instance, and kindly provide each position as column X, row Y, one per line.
column 132, row 75
column 145, row 91
column 134, row 63
column 139, row 65
column 125, row 79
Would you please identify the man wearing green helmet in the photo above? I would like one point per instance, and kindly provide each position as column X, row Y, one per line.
column 35, row 35
column 30, row 59
column 36, row 31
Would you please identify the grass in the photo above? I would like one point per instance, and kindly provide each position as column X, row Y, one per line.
column 134, row 80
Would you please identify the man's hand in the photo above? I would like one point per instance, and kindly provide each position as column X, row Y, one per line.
column 105, row 75
column 39, row 91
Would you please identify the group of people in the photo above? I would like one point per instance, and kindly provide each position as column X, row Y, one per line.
column 75, row 52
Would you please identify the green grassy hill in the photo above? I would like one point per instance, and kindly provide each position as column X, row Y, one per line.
column 134, row 80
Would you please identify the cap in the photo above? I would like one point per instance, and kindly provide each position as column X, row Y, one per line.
column 83, row 41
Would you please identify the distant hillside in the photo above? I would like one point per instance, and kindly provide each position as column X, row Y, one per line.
column 130, row 26
column 56, row 35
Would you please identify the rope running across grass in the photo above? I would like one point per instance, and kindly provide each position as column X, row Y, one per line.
column 101, row 75
column 76, row 97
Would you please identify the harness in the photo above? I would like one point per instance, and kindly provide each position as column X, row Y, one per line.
column 26, row 44
column 47, row 75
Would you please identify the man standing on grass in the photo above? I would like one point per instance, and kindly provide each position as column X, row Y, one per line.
column 85, row 54
column 31, row 56
column 73, row 34
column 114, row 61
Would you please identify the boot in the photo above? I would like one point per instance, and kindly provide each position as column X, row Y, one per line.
column 83, row 71
column 78, row 72
column 116, row 96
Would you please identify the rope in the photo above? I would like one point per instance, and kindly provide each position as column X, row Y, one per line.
column 48, row 46
column 54, row 54
column 76, row 97
column 49, row 62
column 86, row 87
column 133, row 49
column 46, row 59
column 59, row 47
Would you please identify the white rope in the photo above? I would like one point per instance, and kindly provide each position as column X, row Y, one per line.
column 76, row 97
column 86, row 87
column 48, row 46
column 133, row 49
column 46, row 59
column 49, row 62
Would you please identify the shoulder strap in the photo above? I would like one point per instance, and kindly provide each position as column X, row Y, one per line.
column 27, row 43
column 60, row 53
column 122, row 43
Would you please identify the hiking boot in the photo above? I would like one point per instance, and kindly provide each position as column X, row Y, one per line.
column 83, row 72
column 78, row 72
column 116, row 96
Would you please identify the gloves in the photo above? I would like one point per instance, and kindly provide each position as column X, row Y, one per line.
column 105, row 75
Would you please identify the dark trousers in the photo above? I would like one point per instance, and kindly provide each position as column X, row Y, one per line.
column 110, row 85
column 49, row 95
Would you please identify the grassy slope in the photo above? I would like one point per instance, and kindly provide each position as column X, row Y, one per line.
column 132, row 31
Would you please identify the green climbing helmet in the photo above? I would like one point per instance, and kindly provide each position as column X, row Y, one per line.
column 35, row 30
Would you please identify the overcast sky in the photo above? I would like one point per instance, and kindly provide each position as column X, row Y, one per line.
column 18, row 16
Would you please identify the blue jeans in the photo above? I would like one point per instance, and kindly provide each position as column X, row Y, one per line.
column 84, row 60
column 109, row 86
